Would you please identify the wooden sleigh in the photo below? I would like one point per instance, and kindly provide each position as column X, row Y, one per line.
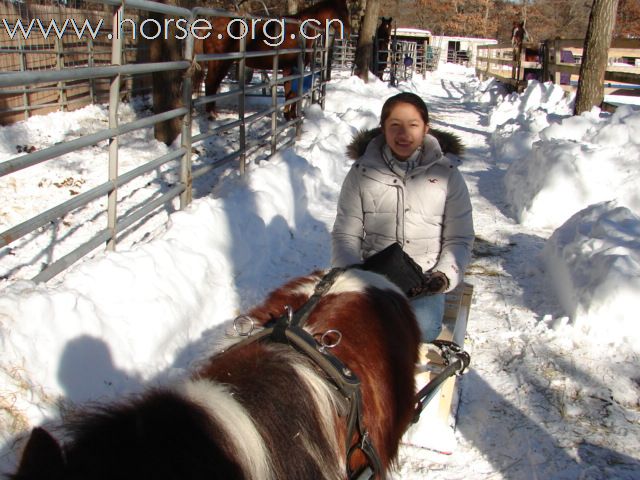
column 436, row 426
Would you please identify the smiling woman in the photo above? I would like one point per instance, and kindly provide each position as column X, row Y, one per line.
column 403, row 190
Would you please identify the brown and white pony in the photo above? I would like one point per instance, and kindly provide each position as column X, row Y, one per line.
column 259, row 409
column 323, row 13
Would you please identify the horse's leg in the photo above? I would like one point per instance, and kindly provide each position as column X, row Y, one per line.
column 289, row 111
column 216, row 71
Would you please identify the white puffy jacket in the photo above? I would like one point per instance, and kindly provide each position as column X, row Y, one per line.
column 428, row 214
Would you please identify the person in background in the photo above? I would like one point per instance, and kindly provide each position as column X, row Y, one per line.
column 403, row 189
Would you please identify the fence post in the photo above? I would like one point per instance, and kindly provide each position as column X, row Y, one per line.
column 298, row 103
column 62, row 96
column 23, row 68
column 556, row 60
column 393, row 71
column 241, row 104
column 91, row 63
column 274, row 104
column 314, row 95
column 325, row 66
column 114, row 100
column 545, row 61
column 59, row 48
column 187, row 92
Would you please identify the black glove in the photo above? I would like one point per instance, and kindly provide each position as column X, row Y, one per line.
column 398, row 267
column 436, row 282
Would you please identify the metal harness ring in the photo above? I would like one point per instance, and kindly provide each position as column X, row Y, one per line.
column 326, row 342
column 239, row 325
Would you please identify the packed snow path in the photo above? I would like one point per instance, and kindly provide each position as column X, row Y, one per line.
column 533, row 405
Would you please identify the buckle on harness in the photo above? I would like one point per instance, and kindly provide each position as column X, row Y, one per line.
column 451, row 352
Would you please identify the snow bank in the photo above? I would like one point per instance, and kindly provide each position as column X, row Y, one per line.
column 576, row 162
column 577, row 174
column 119, row 320
column 593, row 263
column 516, row 107
column 489, row 91
column 519, row 119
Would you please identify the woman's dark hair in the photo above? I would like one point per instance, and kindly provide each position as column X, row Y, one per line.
column 404, row 97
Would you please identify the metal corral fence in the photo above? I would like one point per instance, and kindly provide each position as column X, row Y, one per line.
column 179, row 160
column 407, row 58
column 424, row 58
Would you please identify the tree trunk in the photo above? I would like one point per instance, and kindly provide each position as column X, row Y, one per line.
column 364, row 50
column 596, row 54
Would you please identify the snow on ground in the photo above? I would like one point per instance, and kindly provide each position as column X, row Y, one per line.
column 554, row 386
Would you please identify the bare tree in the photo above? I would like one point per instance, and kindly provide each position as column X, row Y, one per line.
column 364, row 50
column 596, row 54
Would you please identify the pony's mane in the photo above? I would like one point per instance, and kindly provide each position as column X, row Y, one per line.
column 133, row 432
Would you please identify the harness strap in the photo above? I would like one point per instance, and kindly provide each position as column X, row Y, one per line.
column 347, row 382
column 348, row 385
column 364, row 445
column 301, row 316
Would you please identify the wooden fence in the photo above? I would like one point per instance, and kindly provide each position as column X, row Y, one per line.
column 558, row 61
column 37, row 51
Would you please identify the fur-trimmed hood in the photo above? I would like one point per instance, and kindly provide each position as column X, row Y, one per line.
column 449, row 142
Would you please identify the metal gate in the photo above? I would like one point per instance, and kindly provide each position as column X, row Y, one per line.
column 179, row 160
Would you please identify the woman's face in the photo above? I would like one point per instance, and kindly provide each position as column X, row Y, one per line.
column 404, row 130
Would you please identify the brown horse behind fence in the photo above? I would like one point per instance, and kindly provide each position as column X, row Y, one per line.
column 267, row 35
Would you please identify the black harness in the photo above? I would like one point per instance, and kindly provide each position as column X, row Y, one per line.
column 288, row 329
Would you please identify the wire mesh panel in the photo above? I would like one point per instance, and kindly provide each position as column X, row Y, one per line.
column 51, row 35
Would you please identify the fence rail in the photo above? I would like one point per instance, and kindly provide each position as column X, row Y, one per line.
column 114, row 74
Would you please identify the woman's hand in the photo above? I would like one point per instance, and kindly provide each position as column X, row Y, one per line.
column 436, row 282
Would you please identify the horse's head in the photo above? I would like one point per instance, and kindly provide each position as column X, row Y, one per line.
column 384, row 30
column 330, row 13
column 133, row 439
